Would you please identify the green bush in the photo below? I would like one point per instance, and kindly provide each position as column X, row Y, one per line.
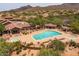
column 7, row 48
column 2, row 40
column 72, row 43
column 2, row 28
column 57, row 45
column 25, row 33
column 48, row 52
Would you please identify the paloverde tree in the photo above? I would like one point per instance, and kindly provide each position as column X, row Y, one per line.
column 5, row 48
column 75, row 26
column 57, row 45
column 55, row 20
column 2, row 28
column 37, row 21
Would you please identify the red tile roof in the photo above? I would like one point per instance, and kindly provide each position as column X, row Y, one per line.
column 17, row 24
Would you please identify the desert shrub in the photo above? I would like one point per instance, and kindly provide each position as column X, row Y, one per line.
column 57, row 45
column 48, row 52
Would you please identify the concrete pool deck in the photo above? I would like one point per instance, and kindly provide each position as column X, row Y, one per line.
column 29, row 37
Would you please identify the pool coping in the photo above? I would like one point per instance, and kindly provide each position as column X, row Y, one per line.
column 46, row 39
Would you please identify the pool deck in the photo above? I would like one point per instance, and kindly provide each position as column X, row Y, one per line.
column 29, row 37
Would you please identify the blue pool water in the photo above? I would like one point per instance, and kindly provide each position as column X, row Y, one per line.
column 46, row 34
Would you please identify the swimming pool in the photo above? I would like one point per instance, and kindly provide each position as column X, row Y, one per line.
column 46, row 34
